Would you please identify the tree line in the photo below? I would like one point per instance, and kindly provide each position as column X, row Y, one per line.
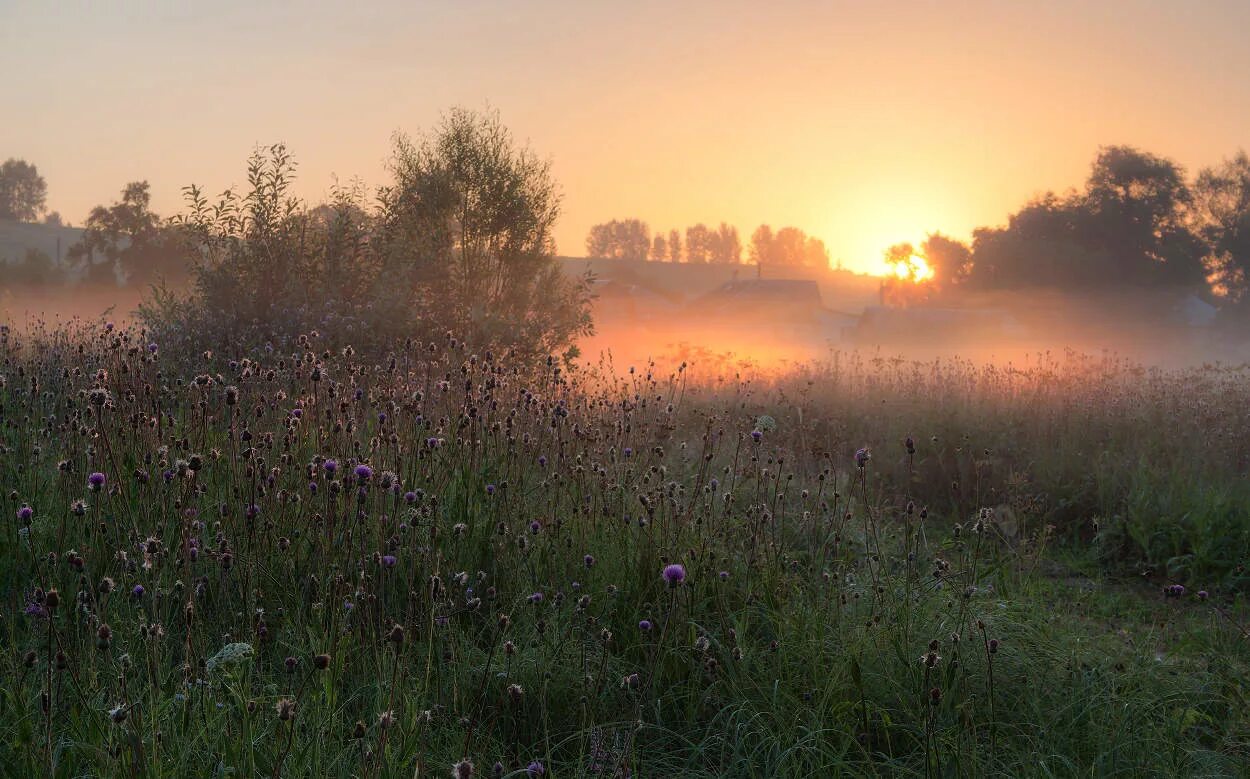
column 1137, row 222
column 631, row 239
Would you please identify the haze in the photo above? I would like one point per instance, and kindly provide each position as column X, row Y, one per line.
column 861, row 123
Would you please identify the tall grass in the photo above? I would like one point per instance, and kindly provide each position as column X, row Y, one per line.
column 318, row 563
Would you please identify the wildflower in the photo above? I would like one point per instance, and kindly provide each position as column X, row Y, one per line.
column 321, row 662
column 644, row 625
column 138, row 591
column 330, row 466
column 286, row 709
column 536, row 598
column 95, row 482
column 757, row 435
column 589, row 561
column 535, row 768
column 228, row 655
column 862, row 456
column 535, row 526
column 674, row 574
column 24, row 513
column 462, row 770
column 363, row 472
column 386, row 719
column 389, row 560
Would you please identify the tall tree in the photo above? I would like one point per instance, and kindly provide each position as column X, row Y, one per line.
column 674, row 246
column 761, row 251
column 949, row 259
column 789, row 245
column 625, row 239
column 23, row 192
column 128, row 242
column 659, row 248
column 815, row 255
column 1221, row 216
column 726, row 246
column 698, row 244
column 484, row 263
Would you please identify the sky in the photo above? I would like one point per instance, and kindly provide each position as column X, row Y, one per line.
column 864, row 124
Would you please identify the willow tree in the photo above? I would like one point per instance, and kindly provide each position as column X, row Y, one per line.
column 466, row 229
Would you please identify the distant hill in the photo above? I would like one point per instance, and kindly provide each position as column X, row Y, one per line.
column 17, row 237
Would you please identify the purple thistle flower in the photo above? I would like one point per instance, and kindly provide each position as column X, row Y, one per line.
column 757, row 436
column 96, row 481
column 331, row 466
column 389, row 560
column 589, row 561
column 674, row 574
column 297, row 412
column 490, row 489
column 138, row 591
column 629, row 451
column 410, row 497
column 25, row 513
column 152, row 348
column 535, row 526
column 363, row 472
column 312, row 487
column 644, row 625
column 535, row 768
column 542, row 461
column 862, row 456
column 536, row 598
column 35, row 610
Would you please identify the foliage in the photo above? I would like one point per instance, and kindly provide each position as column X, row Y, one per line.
column 460, row 240
column 309, row 562
column 1127, row 227
column 624, row 239
column 787, row 247
column 134, row 244
column 23, row 192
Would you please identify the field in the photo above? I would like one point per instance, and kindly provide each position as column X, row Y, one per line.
column 300, row 561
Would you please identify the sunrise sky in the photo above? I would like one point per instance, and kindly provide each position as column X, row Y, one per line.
column 863, row 123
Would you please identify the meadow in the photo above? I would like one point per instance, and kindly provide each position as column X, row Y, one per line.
column 298, row 560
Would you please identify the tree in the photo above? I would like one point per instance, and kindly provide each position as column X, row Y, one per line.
column 467, row 224
column 815, row 255
column 1128, row 227
column 1221, row 216
column 949, row 259
column 761, row 251
column 698, row 244
column 23, row 192
column 674, row 246
column 626, row 239
column 726, row 247
column 788, row 247
column 127, row 241
column 659, row 249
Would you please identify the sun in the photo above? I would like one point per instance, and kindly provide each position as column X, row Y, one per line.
column 914, row 269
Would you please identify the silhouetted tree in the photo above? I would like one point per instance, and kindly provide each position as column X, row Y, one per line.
column 698, row 244
column 1127, row 228
column 674, row 246
column 23, row 192
column 761, row 251
column 726, row 247
column 659, row 249
column 127, row 242
column 789, row 247
column 949, row 259
column 815, row 255
column 1221, row 216
column 625, row 239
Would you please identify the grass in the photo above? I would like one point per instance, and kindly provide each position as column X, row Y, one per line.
column 469, row 580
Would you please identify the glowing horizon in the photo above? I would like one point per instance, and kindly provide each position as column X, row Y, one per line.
column 797, row 114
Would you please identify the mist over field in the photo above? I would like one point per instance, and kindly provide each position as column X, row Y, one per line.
column 624, row 390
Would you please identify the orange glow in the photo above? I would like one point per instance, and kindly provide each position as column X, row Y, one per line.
column 914, row 269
